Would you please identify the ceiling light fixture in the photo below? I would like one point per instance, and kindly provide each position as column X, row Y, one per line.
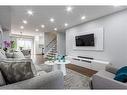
column 24, row 21
column 42, row 26
column 83, row 17
column 55, row 29
column 30, row 12
column 36, row 30
column 66, row 24
column 52, row 19
column 69, row 9
column 21, row 27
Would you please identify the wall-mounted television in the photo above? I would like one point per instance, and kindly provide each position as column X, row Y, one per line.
column 85, row 40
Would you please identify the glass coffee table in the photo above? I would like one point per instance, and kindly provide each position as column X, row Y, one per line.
column 58, row 65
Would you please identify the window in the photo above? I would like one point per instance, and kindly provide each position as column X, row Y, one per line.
column 24, row 43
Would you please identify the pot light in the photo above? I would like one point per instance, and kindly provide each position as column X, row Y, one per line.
column 24, row 21
column 36, row 30
column 83, row 17
column 66, row 24
column 69, row 9
column 43, row 26
column 55, row 29
column 30, row 12
column 22, row 27
column 52, row 19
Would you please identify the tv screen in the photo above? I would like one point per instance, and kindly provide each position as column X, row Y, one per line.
column 85, row 40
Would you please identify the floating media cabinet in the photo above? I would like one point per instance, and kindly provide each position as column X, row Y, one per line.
column 87, row 62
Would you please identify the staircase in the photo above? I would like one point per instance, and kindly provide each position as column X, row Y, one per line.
column 51, row 49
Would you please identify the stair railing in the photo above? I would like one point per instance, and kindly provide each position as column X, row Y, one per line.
column 50, row 45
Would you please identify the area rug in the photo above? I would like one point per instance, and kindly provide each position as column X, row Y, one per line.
column 75, row 80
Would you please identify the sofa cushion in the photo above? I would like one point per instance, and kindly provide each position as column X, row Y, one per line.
column 16, row 71
column 105, row 74
column 18, row 54
column 2, row 81
column 121, row 74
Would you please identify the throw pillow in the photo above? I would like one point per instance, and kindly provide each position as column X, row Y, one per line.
column 18, row 54
column 121, row 77
column 121, row 74
column 16, row 71
column 2, row 81
column 9, row 55
column 122, row 70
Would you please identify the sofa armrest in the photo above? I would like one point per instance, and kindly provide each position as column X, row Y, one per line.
column 52, row 80
column 110, row 68
column 101, row 82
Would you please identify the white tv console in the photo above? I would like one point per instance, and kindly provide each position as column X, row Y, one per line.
column 89, row 63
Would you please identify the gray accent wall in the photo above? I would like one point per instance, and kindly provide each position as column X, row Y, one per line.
column 115, row 39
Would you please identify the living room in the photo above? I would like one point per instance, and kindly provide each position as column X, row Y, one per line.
column 63, row 47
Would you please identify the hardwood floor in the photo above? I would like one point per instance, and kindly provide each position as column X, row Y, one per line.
column 81, row 70
column 39, row 59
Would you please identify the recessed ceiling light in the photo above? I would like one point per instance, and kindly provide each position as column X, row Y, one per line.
column 30, row 12
column 24, row 21
column 52, row 19
column 43, row 26
column 22, row 27
column 69, row 9
column 36, row 30
column 66, row 24
column 83, row 17
column 55, row 29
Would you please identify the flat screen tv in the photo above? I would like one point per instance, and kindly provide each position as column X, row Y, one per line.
column 85, row 40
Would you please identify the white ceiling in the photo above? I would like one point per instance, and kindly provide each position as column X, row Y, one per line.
column 42, row 14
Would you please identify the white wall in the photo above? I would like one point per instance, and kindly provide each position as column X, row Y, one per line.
column 38, row 40
column 115, row 38
column 61, row 43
